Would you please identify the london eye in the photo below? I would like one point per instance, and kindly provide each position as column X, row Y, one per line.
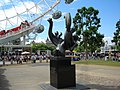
column 19, row 18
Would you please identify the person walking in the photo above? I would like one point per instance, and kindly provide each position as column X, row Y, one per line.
column 33, row 58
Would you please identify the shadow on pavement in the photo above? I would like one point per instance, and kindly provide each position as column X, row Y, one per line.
column 4, row 83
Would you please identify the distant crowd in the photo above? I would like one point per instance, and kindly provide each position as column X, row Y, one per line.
column 24, row 58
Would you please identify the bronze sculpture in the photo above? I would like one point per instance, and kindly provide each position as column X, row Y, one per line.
column 62, row 73
column 68, row 43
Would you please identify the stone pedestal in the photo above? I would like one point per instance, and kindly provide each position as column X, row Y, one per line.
column 62, row 73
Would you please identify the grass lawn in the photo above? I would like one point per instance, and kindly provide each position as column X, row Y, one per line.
column 97, row 62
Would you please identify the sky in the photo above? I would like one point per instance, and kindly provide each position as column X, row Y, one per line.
column 108, row 12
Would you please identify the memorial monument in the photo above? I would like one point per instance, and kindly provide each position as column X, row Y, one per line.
column 62, row 72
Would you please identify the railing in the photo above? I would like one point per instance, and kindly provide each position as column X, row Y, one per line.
column 13, row 31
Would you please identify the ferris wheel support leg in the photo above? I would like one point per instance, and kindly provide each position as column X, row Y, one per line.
column 11, row 61
column 23, row 40
column 3, row 62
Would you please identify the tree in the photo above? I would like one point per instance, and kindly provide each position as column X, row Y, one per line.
column 79, row 48
column 116, row 38
column 86, row 24
column 42, row 46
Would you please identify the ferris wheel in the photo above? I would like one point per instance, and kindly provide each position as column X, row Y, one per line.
column 25, row 13
column 13, row 12
column 20, row 17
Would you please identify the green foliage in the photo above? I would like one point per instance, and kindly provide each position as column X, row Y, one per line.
column 86, row 24
column 118, row 48
column 42, row 46
column 79, row 48
column 98, row 62
column 116, row 38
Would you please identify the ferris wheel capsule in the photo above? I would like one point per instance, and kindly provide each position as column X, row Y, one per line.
column 39, row 28
column 68, row 1
column 57, row 14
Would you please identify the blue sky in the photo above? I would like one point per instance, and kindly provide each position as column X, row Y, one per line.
column 108, row 12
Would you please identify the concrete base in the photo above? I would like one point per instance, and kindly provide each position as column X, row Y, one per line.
column 47, row 86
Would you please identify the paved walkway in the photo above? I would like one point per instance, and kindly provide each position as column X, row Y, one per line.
column 32, row 76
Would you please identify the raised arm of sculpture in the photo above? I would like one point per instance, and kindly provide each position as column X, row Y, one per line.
column 55, row 39
column 69, row 41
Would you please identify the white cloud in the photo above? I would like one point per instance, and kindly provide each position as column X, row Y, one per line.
column 108, row 39
column 2, row 2
column 9, row 11
column 38, row 40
